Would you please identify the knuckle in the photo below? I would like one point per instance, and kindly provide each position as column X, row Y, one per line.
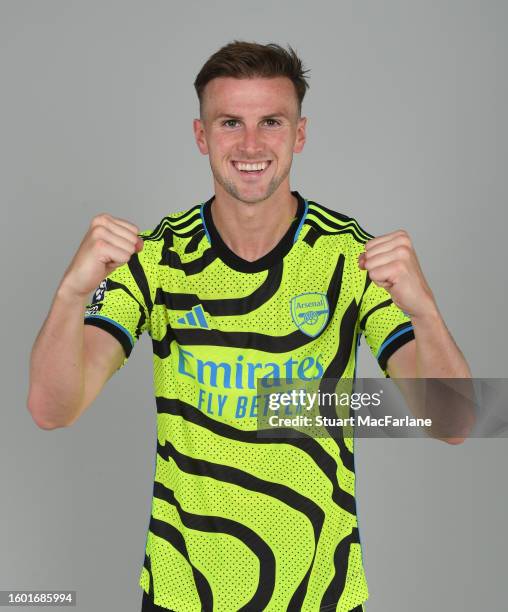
column 97, row 231
column 99, row 219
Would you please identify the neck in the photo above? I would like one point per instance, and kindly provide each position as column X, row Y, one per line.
column 251, row 230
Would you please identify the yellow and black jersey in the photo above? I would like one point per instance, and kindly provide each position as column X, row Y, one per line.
column 238, row 521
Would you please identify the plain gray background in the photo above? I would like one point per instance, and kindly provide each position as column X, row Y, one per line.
column 407, row 128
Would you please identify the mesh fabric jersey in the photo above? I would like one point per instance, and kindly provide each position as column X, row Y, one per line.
column 238, row 521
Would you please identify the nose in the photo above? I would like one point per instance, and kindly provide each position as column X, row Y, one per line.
column 251, row 142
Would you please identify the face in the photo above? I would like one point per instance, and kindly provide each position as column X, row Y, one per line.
column 250, row 129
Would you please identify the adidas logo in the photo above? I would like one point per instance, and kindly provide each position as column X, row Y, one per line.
column 195, row 318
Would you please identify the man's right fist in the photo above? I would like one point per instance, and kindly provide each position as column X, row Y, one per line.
column 108, row 243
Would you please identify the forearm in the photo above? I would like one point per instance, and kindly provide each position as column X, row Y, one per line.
column 437, row 355
column 56, row 363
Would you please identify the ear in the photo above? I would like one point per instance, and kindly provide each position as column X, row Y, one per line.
column 300, row 135
column 200, row 136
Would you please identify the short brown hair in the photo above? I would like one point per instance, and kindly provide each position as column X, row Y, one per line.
column 244, row 60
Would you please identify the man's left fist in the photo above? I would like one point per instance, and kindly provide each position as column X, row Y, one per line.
column 391, row 262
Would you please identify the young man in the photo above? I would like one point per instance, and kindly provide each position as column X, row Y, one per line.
column 255, row 284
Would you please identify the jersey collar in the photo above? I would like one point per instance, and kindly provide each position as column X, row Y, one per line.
column 281, row 249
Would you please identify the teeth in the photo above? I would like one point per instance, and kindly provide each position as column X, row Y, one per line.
column 258, row 166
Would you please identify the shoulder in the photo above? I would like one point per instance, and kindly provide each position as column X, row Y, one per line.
column 181, row 223
column 338, row 226
column 179, row 232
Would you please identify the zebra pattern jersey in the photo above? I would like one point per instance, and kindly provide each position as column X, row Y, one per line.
column 240, row 521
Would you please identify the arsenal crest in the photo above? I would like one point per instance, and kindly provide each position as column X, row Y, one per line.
column 310, row 312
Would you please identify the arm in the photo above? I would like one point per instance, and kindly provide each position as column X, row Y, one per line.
column 392, row 263
column 71, row 362
column 449, row 403
column 432, row 354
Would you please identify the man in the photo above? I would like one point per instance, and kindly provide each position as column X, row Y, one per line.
column 254, row 285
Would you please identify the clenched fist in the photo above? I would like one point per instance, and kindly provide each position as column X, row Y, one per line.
column 391, row 262
column 108, row 243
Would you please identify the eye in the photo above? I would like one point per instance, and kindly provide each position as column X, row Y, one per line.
column 272, row 122
column 228, row 122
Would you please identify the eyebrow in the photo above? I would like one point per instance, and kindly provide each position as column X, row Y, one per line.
column 237, row 117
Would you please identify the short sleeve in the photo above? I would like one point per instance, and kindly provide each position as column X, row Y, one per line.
column 121, row 305
column 385, row 326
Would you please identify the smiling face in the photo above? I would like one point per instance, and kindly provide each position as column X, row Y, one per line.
column 250, row 129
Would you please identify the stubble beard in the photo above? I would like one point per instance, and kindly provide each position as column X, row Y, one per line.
column 229, row 186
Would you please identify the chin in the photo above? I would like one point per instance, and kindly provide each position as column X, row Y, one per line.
column 258, row 195
column 253, row 197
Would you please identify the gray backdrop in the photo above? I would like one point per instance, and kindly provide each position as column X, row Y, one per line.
column 407, row 128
